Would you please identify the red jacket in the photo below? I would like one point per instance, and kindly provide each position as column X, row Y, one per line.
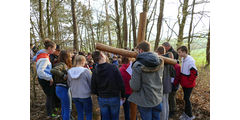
column 126, row 78
column 177, row 78
column 188, row 72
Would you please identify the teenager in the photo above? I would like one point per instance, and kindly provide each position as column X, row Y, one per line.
column 188, row 80
column 60, row 73
column 168, row 73
column 43, row 66
column 79, row 81
column 108, row 85
column 146, row 83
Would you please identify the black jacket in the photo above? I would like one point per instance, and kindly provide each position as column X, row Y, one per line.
column 107, row 81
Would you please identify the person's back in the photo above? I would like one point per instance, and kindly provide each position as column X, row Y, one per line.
column 108, row 85
column 146, row 83
column 107, row 80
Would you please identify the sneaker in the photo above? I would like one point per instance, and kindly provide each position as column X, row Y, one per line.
column 190, row 118
column 183, row 116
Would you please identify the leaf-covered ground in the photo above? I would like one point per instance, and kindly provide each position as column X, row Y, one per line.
column 200, row 101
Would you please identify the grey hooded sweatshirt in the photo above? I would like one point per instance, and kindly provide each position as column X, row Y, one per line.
column 146, row 81
column 79, row 81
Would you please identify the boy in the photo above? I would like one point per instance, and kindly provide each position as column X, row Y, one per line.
column 188, row 80
column 108, row 85
column 146, row 83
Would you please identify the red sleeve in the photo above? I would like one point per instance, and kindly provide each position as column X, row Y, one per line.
column 193, row 74
column 178, row 74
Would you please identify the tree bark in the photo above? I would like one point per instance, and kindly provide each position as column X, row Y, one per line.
column 190, row 29
column 125, row 29
column 159, row 24
column 55, row 22
column 208, row 49
column 75, row 41
column 182, row 24
column 48, row 21
column 108, row 22
column 42, row 36
column 118, row 24
column 133, row 23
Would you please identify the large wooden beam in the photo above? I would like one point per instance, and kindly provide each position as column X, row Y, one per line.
column 127, row 53
column 142, row 27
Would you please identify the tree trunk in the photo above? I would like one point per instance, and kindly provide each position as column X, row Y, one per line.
column 130, row 40
column 190, row 29
column 75, row 41
column 159, row 24
column 48, row 21
column 182, row 24
column 142, row 27
column 133, row 23
column 145, row 9
column 125, row 29
column 118, row 24
column 55, row 22
column 154, row 11
column 208, row 49
column 41, row 20
column 108, row 22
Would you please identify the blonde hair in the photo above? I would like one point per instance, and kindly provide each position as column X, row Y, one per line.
column 78, row 59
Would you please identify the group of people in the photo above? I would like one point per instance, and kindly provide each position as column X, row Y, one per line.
column 145, row 83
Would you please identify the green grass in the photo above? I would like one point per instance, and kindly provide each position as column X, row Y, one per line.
column 200, row 56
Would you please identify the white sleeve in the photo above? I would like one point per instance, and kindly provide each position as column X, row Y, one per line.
column 40, row 70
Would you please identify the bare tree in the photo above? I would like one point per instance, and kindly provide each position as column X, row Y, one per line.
column 48, row 20
column 42, row 36
column 208, row 48
column 125, row 29
column 182, row 23
column 118, row 24
column 75, row 40
column 190, row 28
column 133, row 23
column 55, row 20
column 108, row 22
column 159, row 24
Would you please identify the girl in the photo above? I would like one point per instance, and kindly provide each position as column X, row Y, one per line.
column 60, row 72
column 79, row 80
column 43, row 67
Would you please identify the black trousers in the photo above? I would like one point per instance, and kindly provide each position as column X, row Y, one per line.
column 188, row 106
column 49, row 92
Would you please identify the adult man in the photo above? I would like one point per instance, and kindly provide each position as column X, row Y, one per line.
column 146, row 83
column 172, row 95
column 169, row 48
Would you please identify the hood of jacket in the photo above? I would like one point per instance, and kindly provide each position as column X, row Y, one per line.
column 39, row 52
column 151, row 61
column 75, row 72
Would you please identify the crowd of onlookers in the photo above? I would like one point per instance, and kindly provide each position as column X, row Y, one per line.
column 145, row 83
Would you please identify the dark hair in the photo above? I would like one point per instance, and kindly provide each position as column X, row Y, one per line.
column 144, row 45
column 48, row 43
column 161, row 50
column 166, row 44
column 96, row 56
column 183, row 48
column 81, row 53
column 125, row 60
column 65, row 57
column 58, row 47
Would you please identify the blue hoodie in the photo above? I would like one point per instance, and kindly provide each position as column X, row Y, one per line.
column 43, row 66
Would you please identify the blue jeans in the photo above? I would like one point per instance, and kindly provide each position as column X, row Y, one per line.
column 109, row 108
column 62, row 94
column 126, row 107
column 83, row 105
column 150, row 113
